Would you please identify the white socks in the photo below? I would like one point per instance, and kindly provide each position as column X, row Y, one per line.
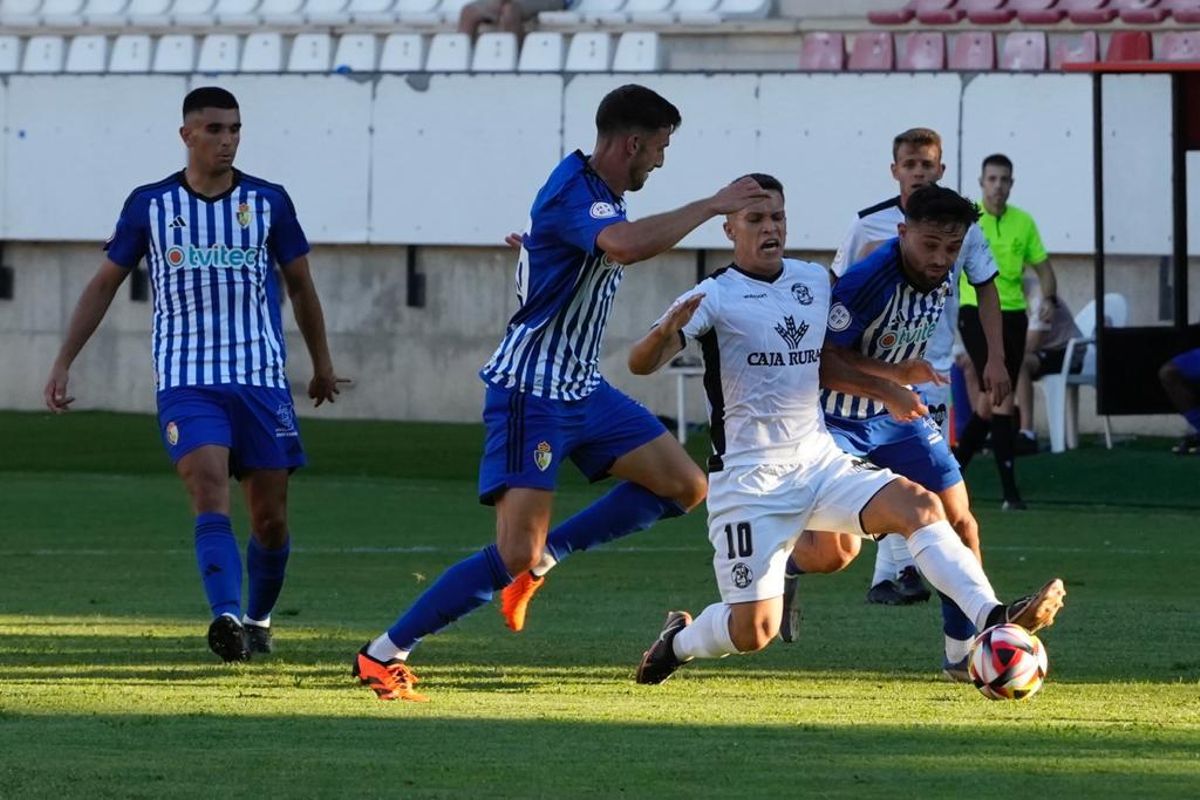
column 707, row 636
column 890, row 557
column 952, row 568
column 258, row 623
column 957, row 649
column 384, row 649
column 545, row 565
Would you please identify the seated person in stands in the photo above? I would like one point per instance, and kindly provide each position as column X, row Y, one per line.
column 1180, row 379
column 1051, row 327
column 505, row 15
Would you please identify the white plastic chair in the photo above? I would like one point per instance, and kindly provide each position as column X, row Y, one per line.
column 262, row 52
column 649, row 12
column 637, row 52
column 20, row 13
column 589, row 52
column 326, row 12
column 194, row 13
column 282, row 12
column 752, row 9
column 449, row 52
column 10, row 54
column 104, row 12
column 148, row 13
column 131, row 53
column 175, row 53
column 541, row 51
column 87, row 54
column 218, row 53
column 236, row 12
column 402, row 52
column 310, row 53
column 697, row 12
column 356, row 52
column 63, row 13
column 43, row 54
column 1061, row 390
column 449, row 10
column 372, row 12
column 495, row 52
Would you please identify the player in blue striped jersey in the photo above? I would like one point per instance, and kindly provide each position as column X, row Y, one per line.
column 545, row 399
column 212, row 237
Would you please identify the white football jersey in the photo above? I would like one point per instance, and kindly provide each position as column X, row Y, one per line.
column 876, row 225
column 761, row 340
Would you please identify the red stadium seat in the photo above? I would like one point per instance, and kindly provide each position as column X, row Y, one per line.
column 1185, row 11
column 1142, row 12
column 897, row 17
column 1024, row 51
column 823, row 52
column 1179, row 46
column 1037, row 12
column 975, row 51
column 873, row 52
column 938, row 12
column 988, row 12
column 1089, row 12
column 1128, row 46
column 1075, row 49
column 921, row 51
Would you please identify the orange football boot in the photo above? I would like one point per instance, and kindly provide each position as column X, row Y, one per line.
column 391, row 680
column 514, row 600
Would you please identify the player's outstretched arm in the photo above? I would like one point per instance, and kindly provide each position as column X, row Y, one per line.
column 840, row 372
column 630, row 242
column 665, row 340
column 311, row 321
column 995, row 375
column 92, row 306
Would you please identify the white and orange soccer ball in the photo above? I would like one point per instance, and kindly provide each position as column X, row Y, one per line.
column 1007, row 663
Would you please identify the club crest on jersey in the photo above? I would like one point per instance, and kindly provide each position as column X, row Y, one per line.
column 172, row 434
column 839, row 317
column 802, row 294
column 602, row 210
column 742, row 575
column 243, row 215
column 791, row 333
column 543, row 455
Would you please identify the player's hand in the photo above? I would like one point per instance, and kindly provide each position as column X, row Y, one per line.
column 918, row 370
column 1046, row 310
column 680, row 314
column 904, row 405
column 324, row 386
column 55, row 393
column 995, row 381
column 738, row 195
column 514, row 240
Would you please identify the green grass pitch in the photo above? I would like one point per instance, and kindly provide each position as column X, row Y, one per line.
column 108, row 690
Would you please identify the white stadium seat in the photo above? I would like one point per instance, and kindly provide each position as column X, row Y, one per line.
column 20, row 13
column 697, row 12
column 356, row 52
column 62, row 13
column 311, row 52
column 175, row 53
column 131, row 53
column 589, row 52
column 87, row 54
column 194, row 13
column 236, row 12
column 449, row 52
column 418, row 12
column 541, row 51
column 43, row 54
column 10, row 54
column 402, row 52
column 755, row 9
column 495, row 52
column 450, row 9
column 584, row 9
column 637, row 52
column 104, row 12
column 282, row 12
column 372, row 12
column 326, row 12
column 262, row 52
column 148, row 13
column 219, row 53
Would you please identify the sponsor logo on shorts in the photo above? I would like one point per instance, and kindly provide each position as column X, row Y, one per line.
column 742, row 575
column 286, row 418
column 172, row 434
column 802, row 294
column 542, row 456
column 938, row 414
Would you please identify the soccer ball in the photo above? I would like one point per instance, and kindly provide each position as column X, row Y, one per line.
column 1007, row 663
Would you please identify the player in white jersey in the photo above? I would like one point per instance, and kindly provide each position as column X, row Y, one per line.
column 916, row 162
column 212, row 236
column 775, row 469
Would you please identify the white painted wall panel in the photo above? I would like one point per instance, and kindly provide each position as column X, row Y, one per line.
column 1137, row 164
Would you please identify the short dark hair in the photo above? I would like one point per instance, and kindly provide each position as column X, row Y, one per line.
column 940, row 205
column 635, row 108
column 916, row 137
column 208, row 97
column 997, row 160
column 768, row 183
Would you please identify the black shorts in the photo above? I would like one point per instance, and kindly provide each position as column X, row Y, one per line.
column 1050, row 362
column 1014, row 325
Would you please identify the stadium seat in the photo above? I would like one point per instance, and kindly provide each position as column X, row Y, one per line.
column 1186, row 12
column 898, row 16
column 193, row 13
column 262, row 52
column 1037, row 12
column 418, row 12
column 975, row 51
column 218, row 53
column 104, row 12
column 372, row 12
column 1089, row 12
column 922, row 50
column 356, row 52
column 43, row 54
column 697, row 12
column 823, row 52
column 938, row 12
column 1075, row 49
column 148, row 13
column 495, row 52
column 589, row 52
column 311, row 52
column 745, row 9
column 87, row 54
column 282, row 12
column 1179, row 46
column 1142, row 12
column 326, row 12
column 403, row 52
column 10, row 54
column 1062, row 389
column 449, row 10
column 542, row 51
column 648, row 12
column 637, row 52
column 1024, row 51
column 20, row 13
column 989, row 12
column 62, row 13
column 449, row 52
column 131, row 53
column 872, row 52
column 174, row 53
column 236, row 12
column 1128, row 46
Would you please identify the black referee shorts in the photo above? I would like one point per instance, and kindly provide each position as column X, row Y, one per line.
column 1014, row 324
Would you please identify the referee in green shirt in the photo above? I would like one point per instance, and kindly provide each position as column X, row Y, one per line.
column 1013, row 237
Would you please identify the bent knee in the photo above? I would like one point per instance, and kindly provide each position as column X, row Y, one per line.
column 922, row 507
column 688, row 490
column 270, row 528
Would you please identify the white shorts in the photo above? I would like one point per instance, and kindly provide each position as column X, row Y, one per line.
column 755, row 515
column 937, row 398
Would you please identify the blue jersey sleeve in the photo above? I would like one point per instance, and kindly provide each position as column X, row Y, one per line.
column 130, row 238
column 287, row 240
column 858, row 298
column 578, row 216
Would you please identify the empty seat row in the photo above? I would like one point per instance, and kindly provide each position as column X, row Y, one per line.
column 976, row 50
column 656, row 12
column 322, row 53
column 1039, row 12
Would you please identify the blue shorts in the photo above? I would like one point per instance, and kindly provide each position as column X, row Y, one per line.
column 1188, row 365
column 257, row 424
column 529, row 437
column 917, row 450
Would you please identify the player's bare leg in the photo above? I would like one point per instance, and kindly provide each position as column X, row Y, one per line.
column 267, row 551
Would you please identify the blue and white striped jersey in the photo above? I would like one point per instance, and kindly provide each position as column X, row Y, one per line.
column 876, row 311
column 210, row 259
column 565, row 286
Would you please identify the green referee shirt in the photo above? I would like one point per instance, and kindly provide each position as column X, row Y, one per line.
column 1015, row 242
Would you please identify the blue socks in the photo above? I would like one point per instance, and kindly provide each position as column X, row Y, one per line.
column 220, row 564
column 954, row 622
column 1192, row 415
column 265, row 570
column 791, row 570
column 627, row 509
column 460, row 590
